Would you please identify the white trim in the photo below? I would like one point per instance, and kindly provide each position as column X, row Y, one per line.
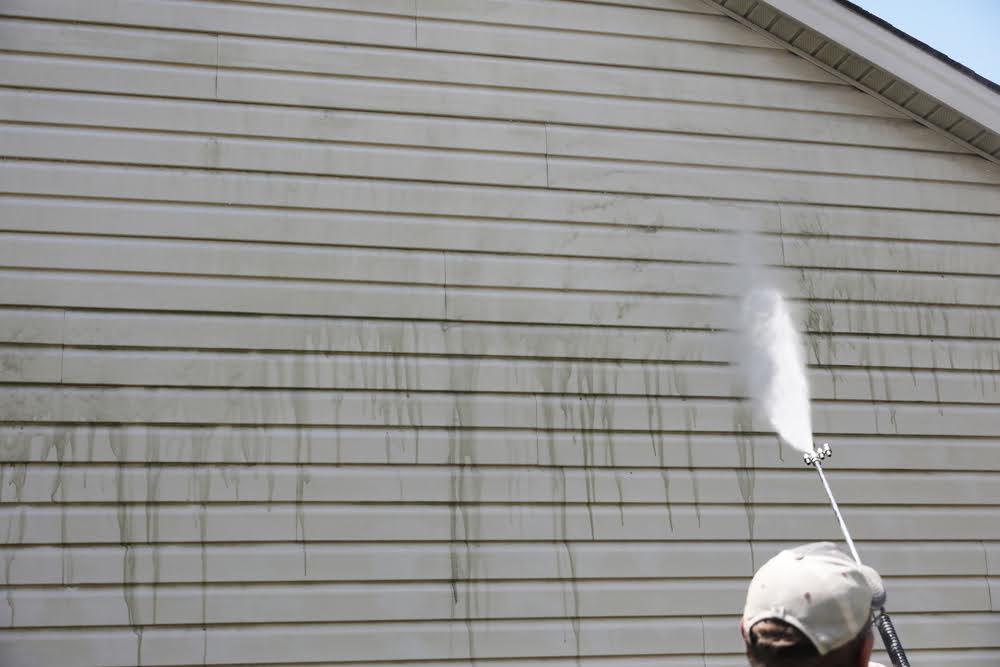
column 898, row 57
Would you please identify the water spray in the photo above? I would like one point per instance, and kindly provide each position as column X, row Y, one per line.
column 882, row 620
column 776, row 373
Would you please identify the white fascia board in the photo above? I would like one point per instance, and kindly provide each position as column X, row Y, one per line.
column 898, row 57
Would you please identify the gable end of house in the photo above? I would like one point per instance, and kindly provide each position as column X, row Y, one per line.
column 883, row 62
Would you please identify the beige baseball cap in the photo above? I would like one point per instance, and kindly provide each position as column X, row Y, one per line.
column 818, row 589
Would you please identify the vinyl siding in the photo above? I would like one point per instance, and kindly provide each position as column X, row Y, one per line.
column 400, row 331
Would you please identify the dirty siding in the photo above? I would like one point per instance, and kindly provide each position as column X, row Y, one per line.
column 378, row 331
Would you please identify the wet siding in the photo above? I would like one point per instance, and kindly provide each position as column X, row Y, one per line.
column 384, row 331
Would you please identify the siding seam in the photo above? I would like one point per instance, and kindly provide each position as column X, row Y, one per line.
column 704, row 642
column 444, row 286
column 416, row 24
column 545, row 126
column 62, row 352
column 781, row 233
column 986, row 576
column 538, row 458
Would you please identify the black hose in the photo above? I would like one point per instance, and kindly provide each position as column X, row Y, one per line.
column 891, row 640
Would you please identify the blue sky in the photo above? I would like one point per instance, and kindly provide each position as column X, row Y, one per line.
column 965, row 30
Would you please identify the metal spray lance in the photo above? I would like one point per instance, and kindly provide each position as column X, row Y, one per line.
column 882, row 620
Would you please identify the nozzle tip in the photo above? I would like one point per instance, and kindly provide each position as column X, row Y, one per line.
column 818, row 454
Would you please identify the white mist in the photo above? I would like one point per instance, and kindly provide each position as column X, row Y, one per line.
column 775, row 366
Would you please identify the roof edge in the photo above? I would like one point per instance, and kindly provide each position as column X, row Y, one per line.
column 898, row 56
column 923, row 46
column 884, row 62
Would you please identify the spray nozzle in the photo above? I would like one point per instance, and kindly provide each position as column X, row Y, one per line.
column 818, row 454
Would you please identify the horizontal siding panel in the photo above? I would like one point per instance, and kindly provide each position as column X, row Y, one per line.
column 747, row 153
column 394, row 7
column 677, row 86
column 485, row 340
column 861, row 254
column 43, row 71
column 64, row 10
column 393, row 372
column 685, row 20
column 235, row 18
column 727, row 86
column 31, row 326
column 500, row 11
column 902, row 559
column 29, row 106
column 347, row 603
column 714, row 248
column 46, row 37
column 272, row 156
column 693, row 6
column 276, row 156
column 95, row 145
column 640, row 310
column 848, row 190
column 351, row 603
column 579, row 109
column 613, row 50
column 983, row 658
column 385, row 409
column 712, row 279
column 445, row 99
column 24, row 105
column 332, row 603
column 668, row 240
column 505, row 41
column 667, row 22
column 244, row 53
column 300, row 123
column 168, row 564
column 221, row 259
column 424, row 484
column 565, row 561
column 287, row 297
column 359, row 642
column 346, row 523
column 262, row 296
column 446, row 641
column 260, row 333
column 257, row 444
column 144, row 113
column 30, row 364
column 646, row 214
column 229, row 259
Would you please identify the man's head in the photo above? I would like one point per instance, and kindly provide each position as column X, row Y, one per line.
column 811, row 605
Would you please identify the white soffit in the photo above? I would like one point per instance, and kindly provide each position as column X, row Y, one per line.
column 881, row 63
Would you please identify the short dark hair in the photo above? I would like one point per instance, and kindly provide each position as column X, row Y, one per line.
column 774, row 643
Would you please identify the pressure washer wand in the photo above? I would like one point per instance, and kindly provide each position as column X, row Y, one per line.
column 882, row 620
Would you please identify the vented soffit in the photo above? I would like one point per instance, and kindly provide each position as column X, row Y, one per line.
column 873, row 56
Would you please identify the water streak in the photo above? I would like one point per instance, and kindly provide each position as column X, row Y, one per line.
column 776, row 367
